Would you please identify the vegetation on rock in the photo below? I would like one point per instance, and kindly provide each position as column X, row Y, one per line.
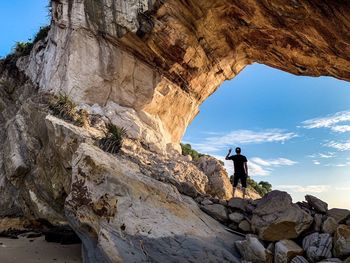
column 62, row 106
column 42, row 34
column 262, row 187
column 24, row 48
column 113, row 140
column 187, row 150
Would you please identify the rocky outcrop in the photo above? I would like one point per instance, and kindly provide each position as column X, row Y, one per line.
column 318, row 246
column 340, row 215
column 317, row 204
column 147, row 66
column 276, row 217
column 217, row 211
column 286, row 250
column 219, row 184
column 299, row 259
column 329, row 225
column 252, row 250
column 133, row 217
column 342, row 242
column 143, row 57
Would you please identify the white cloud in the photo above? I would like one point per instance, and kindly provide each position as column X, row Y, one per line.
column 338, row 164
column 341, row 128
column 345, row 146
column 322, row 155
column 253, row 168
column 219, row 142
column 326, row 155
column 273, row 162
column 257, row 166
column 304, row 189
column 328, row 121
column 258, row 170
column 316, row 162
column 341, row 164
column 345, row 188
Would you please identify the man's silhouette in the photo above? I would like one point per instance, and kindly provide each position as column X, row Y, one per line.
column 241, row 169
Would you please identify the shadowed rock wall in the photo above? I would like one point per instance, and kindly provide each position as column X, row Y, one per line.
column 153, row 63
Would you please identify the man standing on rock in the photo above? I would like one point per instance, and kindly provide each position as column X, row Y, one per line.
column 241, row 169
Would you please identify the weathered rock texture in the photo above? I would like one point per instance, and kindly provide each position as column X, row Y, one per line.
column 318, row 246
column 286, row 250
column 147, row 66
column 219, row 184
column 150, row 64
column 252, row 250
column 342, row 241
column 123, row 215
column 276, row 217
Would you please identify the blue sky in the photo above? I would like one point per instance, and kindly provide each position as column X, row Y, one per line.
column 19, row 21
column 294, row 130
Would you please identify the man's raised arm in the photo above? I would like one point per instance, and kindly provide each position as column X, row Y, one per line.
column 228, row 154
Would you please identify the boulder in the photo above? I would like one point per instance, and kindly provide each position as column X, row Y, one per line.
column 236, row 217
column 331, row 260
column 238, row 203
column 187, row 188
column 329, row 225
column 271, row 247
column 276, row 217
column 254, row 202
column 299, row 259
column 233, row 226
column 339, row 214
column 218, row 182
column 8, row 224
column 217, row 211
column 342, row 241
column 245, row 226
column 347, row 260
column 122, row 215
column 317, row 204
column 348, row 222
column 318, row 246
column 252, row 250
column 317, row 225
column 286, row 250
column 250, row 208
column 206, row 202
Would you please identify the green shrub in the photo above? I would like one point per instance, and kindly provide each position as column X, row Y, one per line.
column 113, row 140
column 23, row 48
column 262, row 187
column 187, row 150
column 63, row 107
column 42, row 34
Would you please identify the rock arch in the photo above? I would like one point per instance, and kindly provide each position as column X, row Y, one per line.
column 149, row 64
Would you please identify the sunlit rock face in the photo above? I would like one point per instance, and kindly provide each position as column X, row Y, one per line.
column 147, row 66
column 153, row 63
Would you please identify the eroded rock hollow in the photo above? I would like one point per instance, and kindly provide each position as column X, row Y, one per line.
column 147, row 65
column 150, row 64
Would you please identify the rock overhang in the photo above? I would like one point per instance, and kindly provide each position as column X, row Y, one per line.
column 159, row 60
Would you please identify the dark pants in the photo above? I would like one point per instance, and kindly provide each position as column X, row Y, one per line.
column 242, row 177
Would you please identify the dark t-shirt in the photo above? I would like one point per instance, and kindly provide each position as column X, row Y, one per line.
column 238, row 161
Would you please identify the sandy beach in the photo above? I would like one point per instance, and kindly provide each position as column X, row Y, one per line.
column 37, row 250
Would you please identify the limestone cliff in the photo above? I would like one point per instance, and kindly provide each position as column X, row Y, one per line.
column 150, row 64
column 147, row 66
